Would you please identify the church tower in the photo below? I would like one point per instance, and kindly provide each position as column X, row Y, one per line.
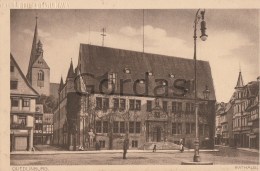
column 38, row 73
column 240, row 86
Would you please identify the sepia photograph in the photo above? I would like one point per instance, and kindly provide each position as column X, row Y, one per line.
column 134, row 87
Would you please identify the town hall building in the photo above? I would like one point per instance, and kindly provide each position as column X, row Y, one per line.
column 148, row 98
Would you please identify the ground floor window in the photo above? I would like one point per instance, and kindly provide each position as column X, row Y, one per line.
column 176, row 128
column 134, row 143
column 135, row 127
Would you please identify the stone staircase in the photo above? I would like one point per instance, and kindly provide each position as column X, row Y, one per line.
column 161, row 146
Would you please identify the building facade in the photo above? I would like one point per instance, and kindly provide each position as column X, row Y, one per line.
column 226, row 116
column 113, row 94
column 23, row 102
column 43, row 126
column 239, row 118
column 37, row 79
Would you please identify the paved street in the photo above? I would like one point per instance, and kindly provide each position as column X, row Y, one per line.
column 225, row 156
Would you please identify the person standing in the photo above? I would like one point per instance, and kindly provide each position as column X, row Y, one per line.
column 154, row 148
column 181, row 145
column 125, row 147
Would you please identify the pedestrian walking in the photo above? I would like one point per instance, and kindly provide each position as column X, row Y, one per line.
column 154, row 148
column 181, row 145
column 125, row 147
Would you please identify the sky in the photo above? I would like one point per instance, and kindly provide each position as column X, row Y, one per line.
column 232, row 44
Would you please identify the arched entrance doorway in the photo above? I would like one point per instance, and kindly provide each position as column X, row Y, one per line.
column 157, row 134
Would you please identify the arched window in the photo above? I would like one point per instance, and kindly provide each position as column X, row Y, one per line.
column 41, row 75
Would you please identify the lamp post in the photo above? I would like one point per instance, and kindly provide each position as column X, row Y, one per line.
column 203, row 37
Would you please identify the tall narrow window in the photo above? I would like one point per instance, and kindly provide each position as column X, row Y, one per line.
column 165, row 103
column 115, row 127
column 98, row 126
column 40, row 82
column 122, row 127
column 105, row 103
column 179, row 128
column 131, row 127
column 131, row 104
column 122, row 104
column 137, row 127
column 105, row 127
column 174, row 130
column 138, row 104
column 40, row 75
column 187, row 107
column 116, row 103
column 174, row 107
column 179, row 107
column 188, row 128
column 149, row 106
column 99, row 103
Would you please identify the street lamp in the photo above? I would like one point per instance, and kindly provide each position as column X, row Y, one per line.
column 203, row 37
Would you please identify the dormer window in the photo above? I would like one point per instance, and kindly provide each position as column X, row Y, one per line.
column 171, row 75
column 149, row 73
column 112, row 78
column 111, row 81
column 164, row 83
column 141, row 81
column 127, row 71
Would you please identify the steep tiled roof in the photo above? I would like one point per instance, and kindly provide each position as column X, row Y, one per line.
column 22, row 89
column 71, row 73
column 100, row 61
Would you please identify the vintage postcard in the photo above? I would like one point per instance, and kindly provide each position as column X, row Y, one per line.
column 111, row 86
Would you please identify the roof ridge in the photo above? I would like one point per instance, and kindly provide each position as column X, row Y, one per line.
column 140, row 52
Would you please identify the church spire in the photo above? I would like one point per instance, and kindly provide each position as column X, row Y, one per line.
column 71, row 71
column 61, row 84
column 240, row 82
column 33, row 56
